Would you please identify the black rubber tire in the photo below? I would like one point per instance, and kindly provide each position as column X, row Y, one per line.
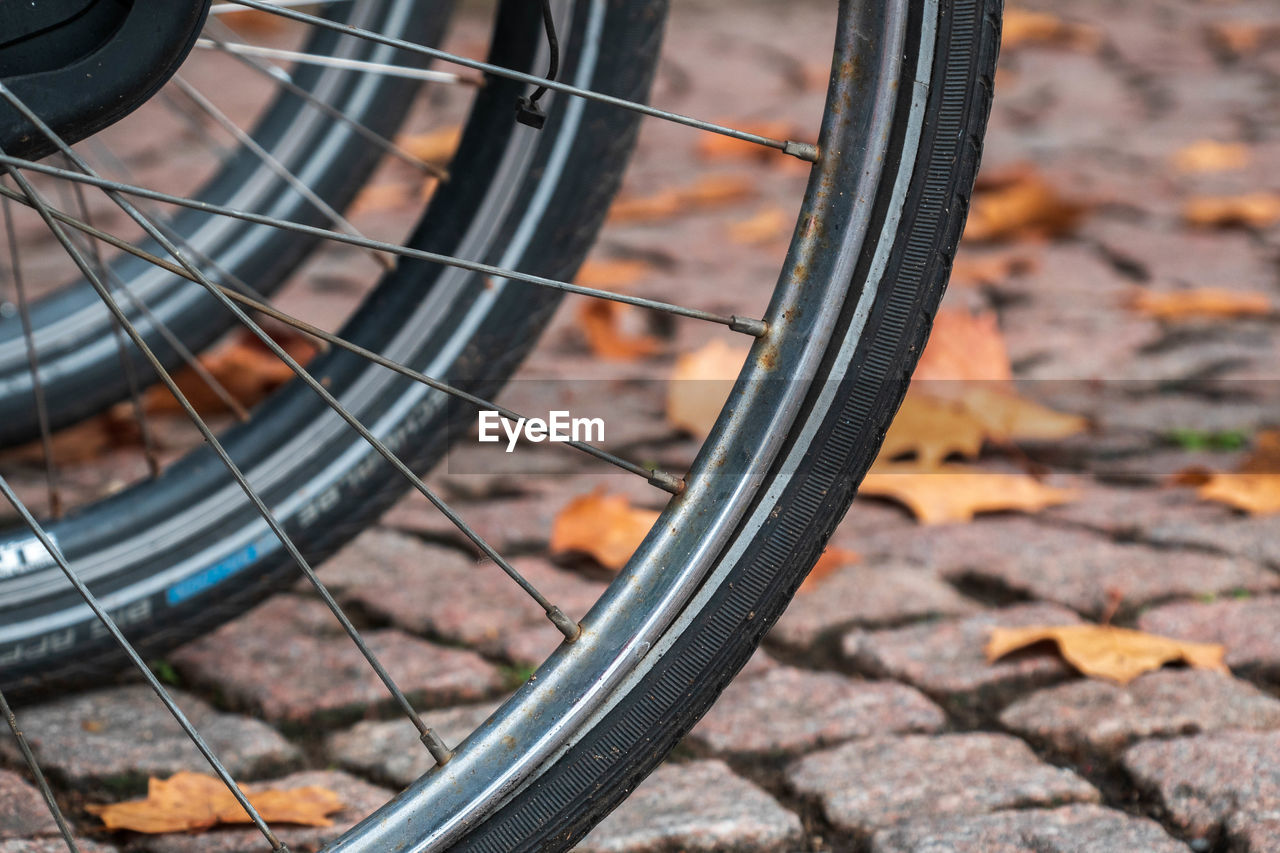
column 594, row 153
column 601, row 769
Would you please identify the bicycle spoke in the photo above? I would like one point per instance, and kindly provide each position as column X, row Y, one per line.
column 126, row 363
column 429, row 738
column 269, row 160
column 41, row 782
column 33, row 361
column 227, row 8
column 745, row 325
column 281, row 78
column 802, row 150
column 247, row 50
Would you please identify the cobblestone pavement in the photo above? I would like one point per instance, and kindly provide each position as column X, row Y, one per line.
column 871, row 720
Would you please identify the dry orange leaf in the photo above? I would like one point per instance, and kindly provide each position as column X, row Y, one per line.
column 832, row 560
column 188, row 802
column 1208, row 155
column 1201, row 303
column 1265, row 458
column 715, row 146
column 951, row 493
column 600, row 322
column 245, row 368
column 768, row 225
column 607, row 527
column 706, row 193
column 964, row 346
column 1242, row 37
column 612, row 274
column 990, row 270
column 1018, row 204
column 385, row 196
column 932, row 429
column 436, row 146
column 252, row 21
column 1102, row 651
column 1025, row 27
column 1256, row 494
column 700, row 384
column 1007, row 417
column 1253, row 210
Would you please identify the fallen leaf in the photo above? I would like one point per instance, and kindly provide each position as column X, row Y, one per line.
column 716, row 146
column 932, row 429
column 193, row 801
column 965, row 346
column 1103, row 651
column 1018, row 204
column 1265, row 458
column 1208, row 155
column 1202, row 303
column 950, row 493
column 990, row 270
column 436, row 146
column 600, row 322
column 706, row 193
column 252, row 21
column 612, row 274
column 1021, row 26
column 769, row 225
column 604, row 526
column 245, row 368
column 1253, row 210
column 831, row 561
column 700, row 384
column 1254, row 488
column 1244, row 37
column 385, row 196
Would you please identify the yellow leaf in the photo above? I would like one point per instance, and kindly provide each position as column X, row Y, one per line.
column 188, row 802
column 1204, row 302
column 1018, row 204
column 769, row 225
column 436, row 146
column 700, row 384
column 600, row 322
column 604, row 526
column 1253, row 210
column 1208, row 155
column 706, row 193
column 1116, row 654
column 955, row 493
column 1025, row 27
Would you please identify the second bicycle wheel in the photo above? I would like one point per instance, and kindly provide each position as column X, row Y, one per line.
column 909, row 93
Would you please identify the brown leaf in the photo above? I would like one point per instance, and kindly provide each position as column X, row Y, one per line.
column 1244, row 37
column 700, row 384
column 831, row 561
column 715, row 146
column 932, row 429
column 964, row 346
column 951, row 493
column 992, row 269
column 1256, row 494
column 1116, row 654
column 436, row 146
column 1019, row 204
column 245, row 368
column 1021, row 27
column 375, row 198
column 1007, row 417
column 768, row 225
column 706, row 193
column 189, row 802
column 1254, row 210
column 252, row 22
column 612, row 274
column 604, row 526
column 600, row 322
column 1201, row 303
column 1265, row 458
column 1209, row 155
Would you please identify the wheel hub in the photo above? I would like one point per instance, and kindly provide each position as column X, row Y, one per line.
column 82, row 65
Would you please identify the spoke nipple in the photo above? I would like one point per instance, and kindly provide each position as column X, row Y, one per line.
column 748, row 326
column 571, row 630
column 806, row 151
column 667, row 482
column 441, row 753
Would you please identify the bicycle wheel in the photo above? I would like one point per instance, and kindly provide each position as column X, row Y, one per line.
column 909, row 94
